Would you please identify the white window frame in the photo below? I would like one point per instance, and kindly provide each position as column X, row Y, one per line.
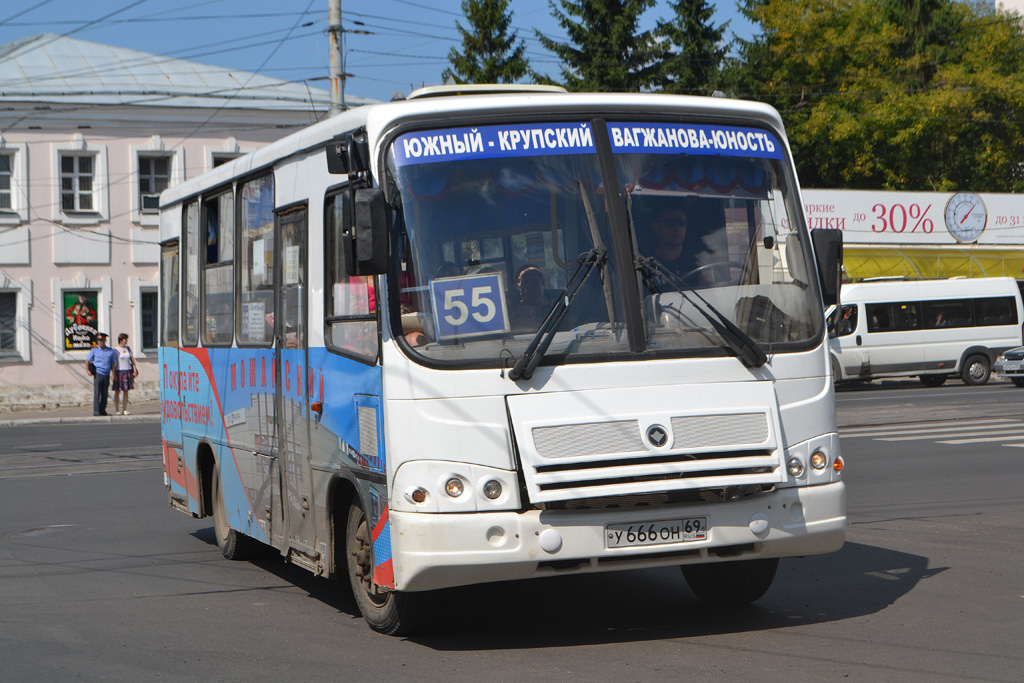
column 22, row 290
column 104, row 286
column 137, row 287
column 18, row 213
column 100, row 212
column 154, row 147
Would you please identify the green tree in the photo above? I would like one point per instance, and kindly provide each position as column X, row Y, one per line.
column 874, row 99
column 490, row 54
column 695, row 49
column 605, row 52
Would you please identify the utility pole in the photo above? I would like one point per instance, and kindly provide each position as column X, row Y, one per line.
column 337, row 54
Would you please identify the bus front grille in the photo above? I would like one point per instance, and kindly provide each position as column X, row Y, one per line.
column 596, row 460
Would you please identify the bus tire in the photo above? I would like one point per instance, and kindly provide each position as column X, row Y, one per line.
column 392, row 613
column 932, row 380
column 233, row 545
column 976, row 370
column 1017, row 381
column 731, row 583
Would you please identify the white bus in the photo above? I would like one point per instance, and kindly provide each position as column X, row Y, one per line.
column 463, row 339
column 931, row 329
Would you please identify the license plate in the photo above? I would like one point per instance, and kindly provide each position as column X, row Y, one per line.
column 1011, row 367
column 656, row 533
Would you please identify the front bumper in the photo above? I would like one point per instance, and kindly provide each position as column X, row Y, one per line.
column 1009, row 368
column 432, row 551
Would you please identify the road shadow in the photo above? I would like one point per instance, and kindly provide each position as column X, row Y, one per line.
column 639, row 605
column 336, row 594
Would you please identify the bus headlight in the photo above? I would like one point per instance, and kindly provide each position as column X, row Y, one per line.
column 818, row 460
column 492, row 489
column 430, row 486
column 795, row 467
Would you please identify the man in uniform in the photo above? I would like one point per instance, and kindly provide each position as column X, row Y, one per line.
column 98, row 364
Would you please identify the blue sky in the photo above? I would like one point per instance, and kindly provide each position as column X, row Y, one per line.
column 406, row 45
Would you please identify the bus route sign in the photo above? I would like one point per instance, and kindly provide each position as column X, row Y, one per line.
column 469, row 305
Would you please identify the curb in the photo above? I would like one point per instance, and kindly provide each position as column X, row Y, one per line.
column 79, row 420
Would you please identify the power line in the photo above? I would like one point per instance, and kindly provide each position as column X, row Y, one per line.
column 7, row 21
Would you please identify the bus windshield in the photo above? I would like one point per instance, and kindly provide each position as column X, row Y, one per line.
column 502, row 227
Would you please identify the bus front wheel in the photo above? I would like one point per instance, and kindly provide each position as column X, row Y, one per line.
column 731, row 583
column 392, row 613
column 976, row 370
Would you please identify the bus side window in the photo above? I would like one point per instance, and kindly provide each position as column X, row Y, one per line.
column 880, row 318
column 1001, row 310
column 190, row 314
column 907, row 317
column 256, row 262
column 218, row 270
column 350, row 319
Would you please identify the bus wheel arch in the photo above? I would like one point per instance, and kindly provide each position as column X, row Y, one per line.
column 206, row 466
column 393, row 613
column 342, row 492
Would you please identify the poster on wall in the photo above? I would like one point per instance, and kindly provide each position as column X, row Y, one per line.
column 80, row 319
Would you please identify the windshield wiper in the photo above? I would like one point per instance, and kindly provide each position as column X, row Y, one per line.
column 745, row 348
column 538, row 346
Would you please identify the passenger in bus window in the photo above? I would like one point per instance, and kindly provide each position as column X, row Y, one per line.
column 940, row 320
column 669, row 225
column 533, row 304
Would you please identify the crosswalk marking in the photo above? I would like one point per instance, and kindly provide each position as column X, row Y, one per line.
column 912, row 429
column 958, row 442
column 947, row 433
column 967, row 432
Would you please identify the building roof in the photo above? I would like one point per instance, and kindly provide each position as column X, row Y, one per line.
column 57, row 69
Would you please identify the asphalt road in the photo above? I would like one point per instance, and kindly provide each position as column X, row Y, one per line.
column 102, row 581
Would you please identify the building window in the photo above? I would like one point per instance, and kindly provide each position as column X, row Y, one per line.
column 6, row 173
column 221, row 158
column 154, row 177
column 8, row 328
column 149, row 303
column 77, row 186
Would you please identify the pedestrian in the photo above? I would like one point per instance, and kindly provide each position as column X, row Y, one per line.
column 124, row 374
column 98, row 364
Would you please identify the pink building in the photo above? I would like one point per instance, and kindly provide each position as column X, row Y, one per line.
column 89, row 136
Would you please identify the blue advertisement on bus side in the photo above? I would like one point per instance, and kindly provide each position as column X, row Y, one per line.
column 526, row 140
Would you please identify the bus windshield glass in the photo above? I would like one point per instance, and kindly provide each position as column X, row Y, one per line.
column 502, row 227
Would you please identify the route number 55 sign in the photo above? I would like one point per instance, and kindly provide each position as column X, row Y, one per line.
column 469, row 306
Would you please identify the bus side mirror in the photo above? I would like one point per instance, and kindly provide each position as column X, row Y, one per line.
column 828, row 252
column 366, row 249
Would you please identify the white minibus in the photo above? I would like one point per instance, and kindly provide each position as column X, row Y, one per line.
column 930, row 329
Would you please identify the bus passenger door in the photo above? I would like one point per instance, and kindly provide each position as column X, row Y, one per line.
column 293, row 386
